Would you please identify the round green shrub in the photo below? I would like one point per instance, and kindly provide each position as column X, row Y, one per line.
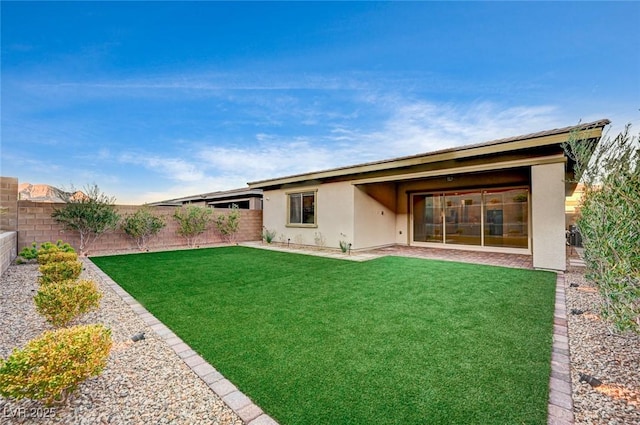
column 61, row 302
column 52, row 366
column 57, row 257
column 59, row 271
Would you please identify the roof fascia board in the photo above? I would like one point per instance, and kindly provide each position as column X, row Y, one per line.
column 552, row 159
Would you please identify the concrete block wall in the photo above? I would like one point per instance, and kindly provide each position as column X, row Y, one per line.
column 8, row 249
column 35, row 224
column 9, row 203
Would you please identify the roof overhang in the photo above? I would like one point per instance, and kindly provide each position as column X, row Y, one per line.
column 362, row 172
column 493, row 166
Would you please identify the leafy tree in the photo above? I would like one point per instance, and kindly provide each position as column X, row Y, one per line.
column 609, row 222
column 91, row 215
column 228, row 224
column 192, row 222
column 142, row 226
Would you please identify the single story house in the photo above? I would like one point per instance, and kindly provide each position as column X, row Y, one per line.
column 505, row 195
column 244, row 198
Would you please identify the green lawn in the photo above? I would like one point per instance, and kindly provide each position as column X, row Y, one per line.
column 390, row 341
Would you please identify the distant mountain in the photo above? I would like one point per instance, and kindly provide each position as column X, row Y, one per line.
column 45, row 193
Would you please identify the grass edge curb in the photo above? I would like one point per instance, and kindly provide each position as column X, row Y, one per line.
column 560, row 407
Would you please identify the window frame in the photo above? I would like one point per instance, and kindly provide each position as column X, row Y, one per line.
column 302, row 193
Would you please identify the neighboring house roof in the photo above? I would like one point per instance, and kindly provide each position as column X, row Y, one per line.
column 227, row 195
column 592, row 130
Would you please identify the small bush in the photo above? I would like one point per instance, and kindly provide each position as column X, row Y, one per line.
column 32, row 252
column 59, row 271
column 49, row 247
column 268, row 235
column 142, row 226
column 229, row 223
column 29, row 252
column 57, row 257
column 344, row 246
column 52, row 366
column 61, row 302
column 192, row 221
column 91, row 215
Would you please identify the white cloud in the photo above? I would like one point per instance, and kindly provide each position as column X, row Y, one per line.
column 418, row 127
column 410, row 128
column 274, row 158
column 178, row 169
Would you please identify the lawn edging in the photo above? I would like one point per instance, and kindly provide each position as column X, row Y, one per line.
column 242, row 405
column 560, row 397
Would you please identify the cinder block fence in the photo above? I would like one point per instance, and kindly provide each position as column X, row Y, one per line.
column 33, row 223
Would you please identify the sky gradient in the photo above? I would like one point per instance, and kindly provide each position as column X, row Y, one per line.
column 156, row 100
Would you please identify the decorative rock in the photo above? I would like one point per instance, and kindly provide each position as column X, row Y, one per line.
column 594, row 348
column 142, row 383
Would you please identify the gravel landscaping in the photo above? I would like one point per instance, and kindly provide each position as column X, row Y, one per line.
column 144, row 383
column 147, row 383
column 596, row 351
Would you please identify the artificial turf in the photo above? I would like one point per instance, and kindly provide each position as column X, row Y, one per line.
column 390, row 341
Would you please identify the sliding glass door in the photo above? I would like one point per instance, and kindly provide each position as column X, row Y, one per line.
column 427, row 210
column 496, row 218
column 463, row 220
column 507, row 218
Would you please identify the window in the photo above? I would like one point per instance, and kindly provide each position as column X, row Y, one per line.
column 302, row 208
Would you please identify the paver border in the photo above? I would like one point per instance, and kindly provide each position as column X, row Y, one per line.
column 560, row 404
column 243, row 406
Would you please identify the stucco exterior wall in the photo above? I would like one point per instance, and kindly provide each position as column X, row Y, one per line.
column 274, row 214
column 334, row 215
column 336, row 207
column 376, row 218
column 547, row 216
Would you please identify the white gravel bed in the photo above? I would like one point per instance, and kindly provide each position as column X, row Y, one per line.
column 144, row 382
column 612, row 358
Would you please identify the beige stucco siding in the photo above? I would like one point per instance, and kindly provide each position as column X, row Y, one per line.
column 334, row 215
column 547, row 216
column 376, row 219
column 274, row 212
column 335, row 212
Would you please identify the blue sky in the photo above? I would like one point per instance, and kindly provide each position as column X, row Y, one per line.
column 152, row 101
